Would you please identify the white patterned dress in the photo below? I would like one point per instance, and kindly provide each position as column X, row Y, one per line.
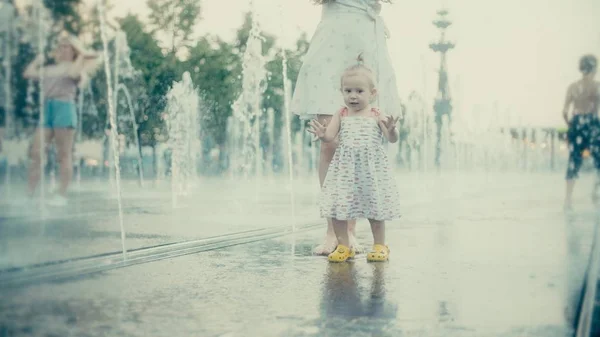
column 359, row 182
column 347, row 29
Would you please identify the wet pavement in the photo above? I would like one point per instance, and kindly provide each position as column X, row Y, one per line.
column 90, row 225
column 217, row 207
column 485, row 264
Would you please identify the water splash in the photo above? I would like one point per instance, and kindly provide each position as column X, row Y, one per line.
column 43, row 29
column 89, row 109
column 247, row 109
column 112, row 120
column 122, row 69
column 183, row 127
column 122, row 88
column 288, row 127
column 271, row 130
column 8, row 37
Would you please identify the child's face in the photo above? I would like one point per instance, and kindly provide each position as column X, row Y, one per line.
column 358, row 91
column 64, row 52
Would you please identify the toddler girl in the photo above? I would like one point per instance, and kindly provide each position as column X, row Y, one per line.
column 359, row 182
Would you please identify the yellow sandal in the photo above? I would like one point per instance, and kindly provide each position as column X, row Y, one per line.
column 341, row 254
column 379, row 253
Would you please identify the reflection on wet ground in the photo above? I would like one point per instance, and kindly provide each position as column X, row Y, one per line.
column 450, row 280
column 503, row 261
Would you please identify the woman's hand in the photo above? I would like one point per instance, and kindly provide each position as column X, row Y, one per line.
column 316, row 128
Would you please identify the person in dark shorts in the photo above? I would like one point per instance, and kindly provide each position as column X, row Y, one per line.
column 584, row 125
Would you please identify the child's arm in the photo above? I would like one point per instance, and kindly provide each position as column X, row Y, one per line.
column 34, row 68
column 83, row 62
column 388, row 128
column 76, row 68
column 326, row 134
column 333, row 128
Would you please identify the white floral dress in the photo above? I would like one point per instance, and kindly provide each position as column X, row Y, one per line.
column 359, row 182
column 347, row 29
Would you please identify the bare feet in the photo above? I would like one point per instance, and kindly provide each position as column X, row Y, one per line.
column 330, row 243
column 354, row 244
column 327, row 247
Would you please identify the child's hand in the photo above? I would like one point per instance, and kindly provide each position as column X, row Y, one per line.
column 90, row 56
column 316, row 128
column 390, row 123
column 39, row 59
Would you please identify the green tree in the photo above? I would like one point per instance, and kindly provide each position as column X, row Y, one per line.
column 157, row 72
column 216, row 68
column 66, row 14
column 273, row 97
column 243, row 34
column 176, row 18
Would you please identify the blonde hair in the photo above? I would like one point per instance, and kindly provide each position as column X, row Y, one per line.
column 91, row 62
column 64, row 38
column 359, row 69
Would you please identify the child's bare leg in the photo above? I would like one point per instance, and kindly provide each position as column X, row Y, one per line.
column 341, row 231
column 329, row 243
column 35, row 153
column 378, row 230
column 380, row 252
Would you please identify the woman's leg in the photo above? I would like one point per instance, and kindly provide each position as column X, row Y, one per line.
column 35, row 154
column 64, row 143
column 326, row 155
column 340, row 228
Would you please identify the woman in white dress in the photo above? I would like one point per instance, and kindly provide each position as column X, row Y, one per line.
column 347, row 28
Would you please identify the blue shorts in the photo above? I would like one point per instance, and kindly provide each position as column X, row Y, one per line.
column 60, row 114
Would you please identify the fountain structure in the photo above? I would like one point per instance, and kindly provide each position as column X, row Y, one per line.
column 123, row 70
column 112, row 118
column 183, row 125
column 43, row 26
column 246, row 153
column 8, row 48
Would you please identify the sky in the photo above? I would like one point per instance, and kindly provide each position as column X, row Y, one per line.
column 512, row 57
